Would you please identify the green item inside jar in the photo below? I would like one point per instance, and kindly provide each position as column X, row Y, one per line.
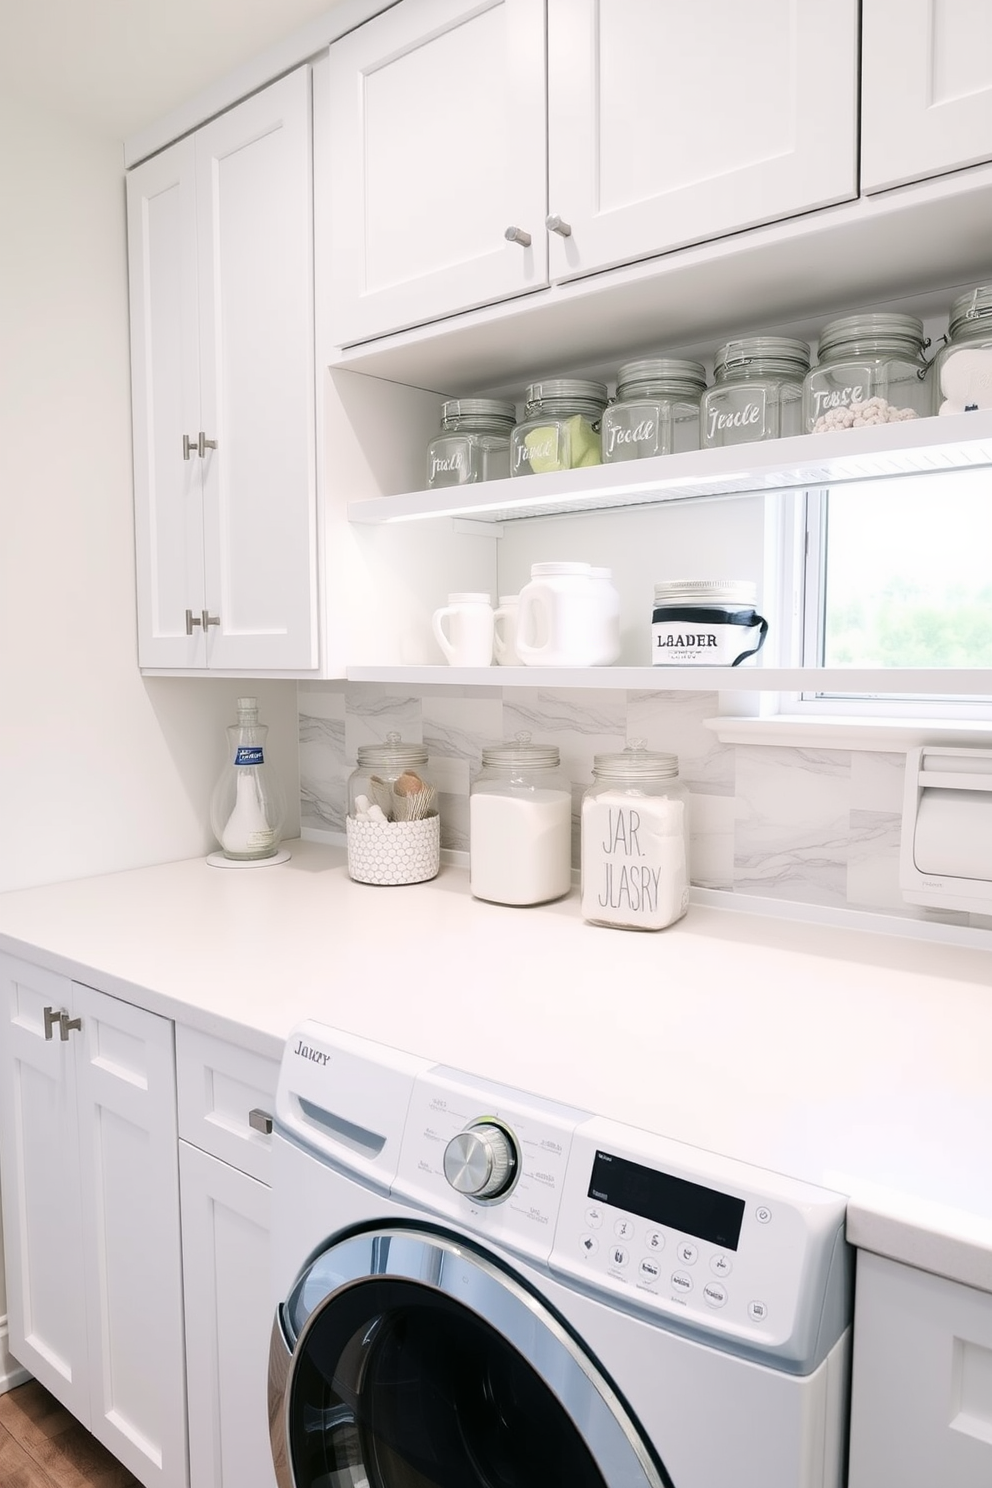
column 579, row 447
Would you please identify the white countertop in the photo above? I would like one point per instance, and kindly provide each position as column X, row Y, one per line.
column 859, row 1061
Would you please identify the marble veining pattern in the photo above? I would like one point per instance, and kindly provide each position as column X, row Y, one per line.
column 673, row 721
column 793, row 823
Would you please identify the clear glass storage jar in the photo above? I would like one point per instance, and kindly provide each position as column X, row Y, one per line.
column 560, row 429
column 635, row 841
column 393, row 828
column 870, row 370
column 705, row 622
column 962, row 370
column 520, row 825
column 656, row 410
column 474, row 442
column 757, row 392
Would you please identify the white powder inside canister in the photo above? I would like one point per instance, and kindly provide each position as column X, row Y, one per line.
column 520, row 845
column 634, row 868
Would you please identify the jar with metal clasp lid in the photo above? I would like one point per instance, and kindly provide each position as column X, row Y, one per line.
column 393, row 828
column 474, row 442
column 962, row 370
column 560, row 429
column 870, row 370
column 656, row 410
column 757, row 393
column 520, row 825
column 635, row 841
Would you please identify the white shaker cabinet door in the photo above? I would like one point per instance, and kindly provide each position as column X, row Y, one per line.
column 436, row 150
column 41, row 1199
column 671, row 123
column 254, row 241
column 165, row 399
column 229, row 1312
column 926, row 88
column 132, row 1257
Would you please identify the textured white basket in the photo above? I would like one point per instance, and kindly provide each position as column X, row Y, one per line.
column 394, row 852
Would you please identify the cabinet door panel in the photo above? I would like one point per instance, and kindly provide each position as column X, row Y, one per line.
column 41, row 1197
column 671, row 123
column 926, row 88
column 437, row 141
column 257, row 369
column 165, row 405
column 131, row 1240
column 228, row 1321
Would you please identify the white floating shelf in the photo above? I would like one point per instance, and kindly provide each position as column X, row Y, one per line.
column 916, row 447
column 903, row 682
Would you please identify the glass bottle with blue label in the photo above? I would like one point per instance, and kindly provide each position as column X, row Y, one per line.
column 247, row 808
column 757, row 393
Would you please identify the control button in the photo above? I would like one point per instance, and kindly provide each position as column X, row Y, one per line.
column 650, row 1270
column 721, row 1265
column 619, row 1256
column 681, row 1282
column 655, row 1240
column 589, row 1244
column 762, row 1214
column 758, row 1311
column 688, row 1253
column 623, row 1229
column 481, row 1161
column 714, row 1294
column 594, row 1217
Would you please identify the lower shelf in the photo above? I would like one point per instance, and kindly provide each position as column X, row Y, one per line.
column 973, row 682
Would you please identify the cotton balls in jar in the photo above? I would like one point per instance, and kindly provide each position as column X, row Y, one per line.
column 860, row 414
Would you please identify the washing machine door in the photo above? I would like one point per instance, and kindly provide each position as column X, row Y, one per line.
column 406, row 1358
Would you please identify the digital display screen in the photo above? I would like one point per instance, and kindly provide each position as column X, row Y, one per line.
column 675, row 1202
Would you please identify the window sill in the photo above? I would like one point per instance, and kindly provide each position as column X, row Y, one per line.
column 886, row 735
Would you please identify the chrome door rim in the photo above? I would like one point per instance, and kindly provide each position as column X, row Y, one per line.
column 436, row 1260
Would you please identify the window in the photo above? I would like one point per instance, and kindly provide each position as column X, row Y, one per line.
column 898, row 574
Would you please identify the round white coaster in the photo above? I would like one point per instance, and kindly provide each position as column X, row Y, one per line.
column 218, row 860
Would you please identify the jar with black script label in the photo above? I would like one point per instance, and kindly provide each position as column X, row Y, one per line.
column 870, row 370
column 757, row 393
column 635, row 841
column 474, row 442
column 656, row 411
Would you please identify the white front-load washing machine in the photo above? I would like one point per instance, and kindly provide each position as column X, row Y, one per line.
column 476, row 1287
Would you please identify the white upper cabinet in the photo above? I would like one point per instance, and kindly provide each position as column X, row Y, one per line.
column 220, row 241
column 649, row 125
column 671, row 124
column 926, row 89
column 437, row 150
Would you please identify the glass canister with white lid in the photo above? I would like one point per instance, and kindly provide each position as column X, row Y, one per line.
column 635, row 841
column 474, row 442
column 757, row 392
column 520, row 825
column 393, row 827
column 656, row 410
column 560, row 429
column 962, row 370
column 870, row 370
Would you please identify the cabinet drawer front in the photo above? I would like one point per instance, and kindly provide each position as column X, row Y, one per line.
column 220, row 1085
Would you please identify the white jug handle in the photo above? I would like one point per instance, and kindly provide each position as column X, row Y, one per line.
column 531, row 601
column 439, row 634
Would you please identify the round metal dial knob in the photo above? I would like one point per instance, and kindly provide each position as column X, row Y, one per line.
column 480, row 1162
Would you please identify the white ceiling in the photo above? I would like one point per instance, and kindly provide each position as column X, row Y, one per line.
column 118, row 65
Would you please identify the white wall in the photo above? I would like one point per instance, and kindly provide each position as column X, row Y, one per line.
column 100, row 769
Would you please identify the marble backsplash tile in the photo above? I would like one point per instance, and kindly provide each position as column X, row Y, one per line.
column 818, row 826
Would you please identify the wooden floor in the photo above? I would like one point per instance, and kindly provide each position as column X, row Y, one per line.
column 43, row 1446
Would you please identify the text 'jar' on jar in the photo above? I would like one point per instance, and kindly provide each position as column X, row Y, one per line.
column 757, row 393
column 656, row 410
column 473, row 445
column 870, row 370
column 520, row 825
column 635, row 841
column 560, row 429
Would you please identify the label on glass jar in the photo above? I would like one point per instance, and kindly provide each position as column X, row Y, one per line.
column 627, row 436
column 539, row 449
column 448, row 468
column 248, row 754
column 827, row 398
column 738, row 416
column 634, row 870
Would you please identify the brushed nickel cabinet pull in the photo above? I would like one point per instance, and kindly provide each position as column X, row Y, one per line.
column 260, row 1121
column 206, row 620
column 557, row 224
column 67, row 1025
column 51, row 1018
column 517, row 235
column 192, row 620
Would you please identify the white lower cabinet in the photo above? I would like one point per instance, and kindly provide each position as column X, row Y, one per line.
column 223, row 1166
column 88, row 1148
column 921, row 1398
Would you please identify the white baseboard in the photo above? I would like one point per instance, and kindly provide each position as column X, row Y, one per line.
column 11, row 1373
